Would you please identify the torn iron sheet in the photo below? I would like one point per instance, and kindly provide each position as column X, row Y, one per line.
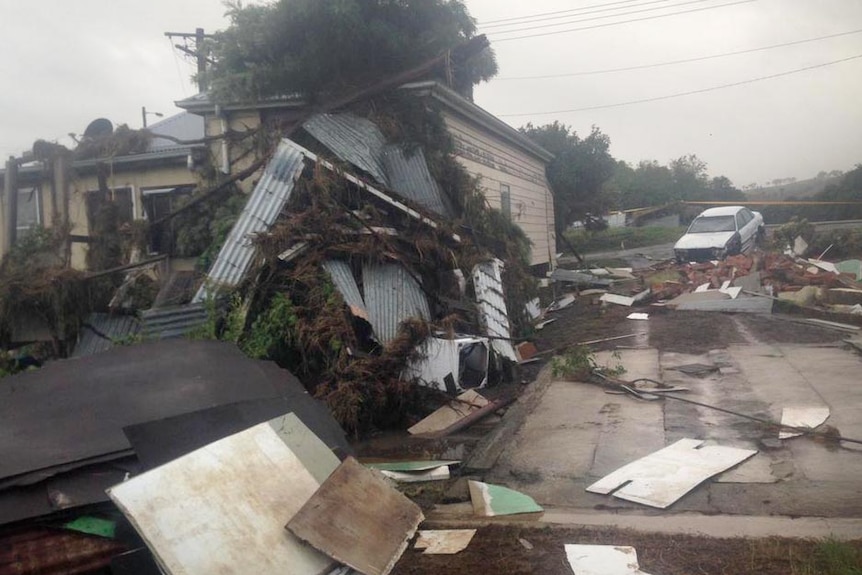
column 603, row 560
column 444, row 542
column 663, row 477
column 436, row 474
column 492, row 500
column 488, row 282
column 803, row 418
column 451, row 365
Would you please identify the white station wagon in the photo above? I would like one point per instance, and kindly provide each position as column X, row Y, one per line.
column 719, row 232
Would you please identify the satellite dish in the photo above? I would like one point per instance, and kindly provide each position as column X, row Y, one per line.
column 98, row 128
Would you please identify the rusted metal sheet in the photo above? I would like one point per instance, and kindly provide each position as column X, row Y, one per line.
column 266, row 202
column 222, row 508
column 488, row 282
column 352, row 139
column 392, row 295
column 409, row 177
column 336, row 519
column 41, row 551
column 345, row 283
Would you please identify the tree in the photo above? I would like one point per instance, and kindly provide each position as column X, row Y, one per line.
column 316, row 48
column 579, row 171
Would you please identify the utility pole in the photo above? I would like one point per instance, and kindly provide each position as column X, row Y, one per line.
column 197, row 52
column 10, row 190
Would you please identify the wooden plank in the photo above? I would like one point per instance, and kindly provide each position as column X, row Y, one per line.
column 221, row 508
column 444, row 542
column 358, row 519
column 466, row 403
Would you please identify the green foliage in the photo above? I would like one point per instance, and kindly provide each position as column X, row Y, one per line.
column 579, row 171
column 201, row 231
column 842, row 244
column 122, row 142
column 315, row 48
column 786, row 234
column 579, row 362
column 272, row 330
column 833, row 557
column 622, row 238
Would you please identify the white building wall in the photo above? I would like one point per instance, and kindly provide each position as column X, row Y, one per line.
column 500, row 163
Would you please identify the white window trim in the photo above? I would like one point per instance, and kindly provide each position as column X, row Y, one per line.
column 38, row 193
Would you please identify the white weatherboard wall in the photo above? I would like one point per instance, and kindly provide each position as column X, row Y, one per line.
column 498, row 163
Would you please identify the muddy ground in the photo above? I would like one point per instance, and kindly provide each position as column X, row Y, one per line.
column 498, row 549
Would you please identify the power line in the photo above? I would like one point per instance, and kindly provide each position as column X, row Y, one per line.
column 528, row 16
column 686, row 60
column 621, row 14
column 689, row 93
column 582, row 11
column 623, row 21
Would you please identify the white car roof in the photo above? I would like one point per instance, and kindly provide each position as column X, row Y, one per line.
column 722, row 211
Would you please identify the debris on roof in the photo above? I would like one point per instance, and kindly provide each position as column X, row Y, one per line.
column 335, row 520
column 649, row 482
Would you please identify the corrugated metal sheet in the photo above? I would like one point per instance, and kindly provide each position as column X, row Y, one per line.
column 342, row 277
column 409, row 176
column 170, row 322
column 391, row 295
column 101, row 331
column 353, row 139
column 488, row 282
column 262, row 209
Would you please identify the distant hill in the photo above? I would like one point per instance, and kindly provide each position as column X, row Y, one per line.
column 793, row 190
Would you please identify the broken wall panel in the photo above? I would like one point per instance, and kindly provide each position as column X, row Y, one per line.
column 352, row 139
column 358, row 519
column 345, row 283
column 222, row 508
column 451, row 365
column 409, row 176
column 392, row 295
column 488, row 282
column 263, row 207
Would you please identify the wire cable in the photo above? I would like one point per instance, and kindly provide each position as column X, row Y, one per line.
column 674, row 62
column 583, row 12
column 642, row 19
column 688, row 93
column 528, row 16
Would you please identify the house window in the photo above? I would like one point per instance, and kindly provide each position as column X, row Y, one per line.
column 506, row 201
column 29, row 211
column 122, row 198
column 158, row 203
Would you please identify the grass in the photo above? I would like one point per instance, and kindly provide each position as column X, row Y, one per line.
column 622, row 238
column 832, row 557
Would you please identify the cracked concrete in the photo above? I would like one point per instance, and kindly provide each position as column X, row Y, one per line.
column 577, row 433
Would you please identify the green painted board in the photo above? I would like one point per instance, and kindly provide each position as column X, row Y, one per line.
column 492, row 500
column 93, row 526
column 411, row 465
column 851, row 267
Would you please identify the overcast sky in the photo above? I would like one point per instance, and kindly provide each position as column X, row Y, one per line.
column 66, row 63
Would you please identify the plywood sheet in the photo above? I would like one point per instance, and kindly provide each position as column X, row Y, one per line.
column 603, row 560
column 465, row 404
column 492, row 500
column 221, row 508
column 444, row 542
column 802, row 417
column 358, row 519
column 661, row 478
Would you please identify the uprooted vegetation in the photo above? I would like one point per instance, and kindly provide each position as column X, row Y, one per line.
column 291, row 312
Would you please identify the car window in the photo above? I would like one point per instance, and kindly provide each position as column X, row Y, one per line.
column 740, row 222
column 705, row 225
column 747, row 216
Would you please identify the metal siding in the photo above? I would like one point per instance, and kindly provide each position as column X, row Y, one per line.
column 345, row 283
column 171, row 322
column 262, row 209
column 488, row 282
column 392, row 295
column 115, row 327
column 353, row 139
column 409, row 176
